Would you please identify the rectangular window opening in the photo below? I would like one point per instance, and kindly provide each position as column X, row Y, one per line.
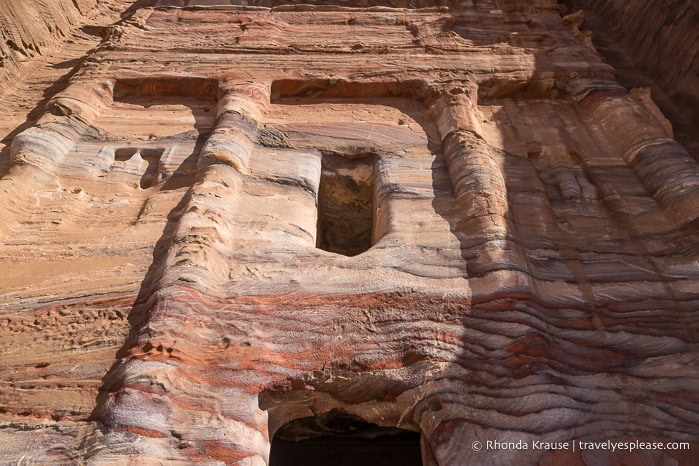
column 346, row 204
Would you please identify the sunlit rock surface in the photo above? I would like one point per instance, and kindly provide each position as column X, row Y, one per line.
column 220, row 219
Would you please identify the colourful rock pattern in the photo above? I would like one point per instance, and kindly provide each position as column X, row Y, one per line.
column 446, row 217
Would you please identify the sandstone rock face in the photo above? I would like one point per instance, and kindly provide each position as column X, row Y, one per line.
column 30, row 29
column 243, row 224
column 661, row 40
column 43, row 44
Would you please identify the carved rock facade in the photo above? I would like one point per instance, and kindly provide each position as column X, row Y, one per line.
column 446, row 218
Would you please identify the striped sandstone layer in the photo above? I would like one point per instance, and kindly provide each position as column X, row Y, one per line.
column 450, row 220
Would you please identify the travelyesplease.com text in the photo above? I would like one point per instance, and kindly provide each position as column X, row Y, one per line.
column 613, row 446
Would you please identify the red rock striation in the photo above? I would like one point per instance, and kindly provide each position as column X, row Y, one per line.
column 448, row 219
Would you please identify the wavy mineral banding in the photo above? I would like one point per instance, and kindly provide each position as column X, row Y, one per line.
column 237, row 231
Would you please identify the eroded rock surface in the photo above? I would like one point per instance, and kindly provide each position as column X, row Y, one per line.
column 447, row 218
column 653, row 45
column 34, row 29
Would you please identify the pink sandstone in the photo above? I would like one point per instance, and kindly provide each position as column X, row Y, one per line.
column 445, row 218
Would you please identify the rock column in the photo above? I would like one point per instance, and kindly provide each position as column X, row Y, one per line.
column 477, row 178
column 168, row 398
column 636, row 128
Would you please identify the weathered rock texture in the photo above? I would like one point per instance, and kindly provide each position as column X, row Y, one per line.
column 31, row 29
column 43, row 43
column 450, row 220
column 654, row 44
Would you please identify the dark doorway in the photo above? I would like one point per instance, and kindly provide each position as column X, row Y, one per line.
column 338, row 439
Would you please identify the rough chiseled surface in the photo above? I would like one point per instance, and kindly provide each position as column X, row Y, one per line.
column 448, row 218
